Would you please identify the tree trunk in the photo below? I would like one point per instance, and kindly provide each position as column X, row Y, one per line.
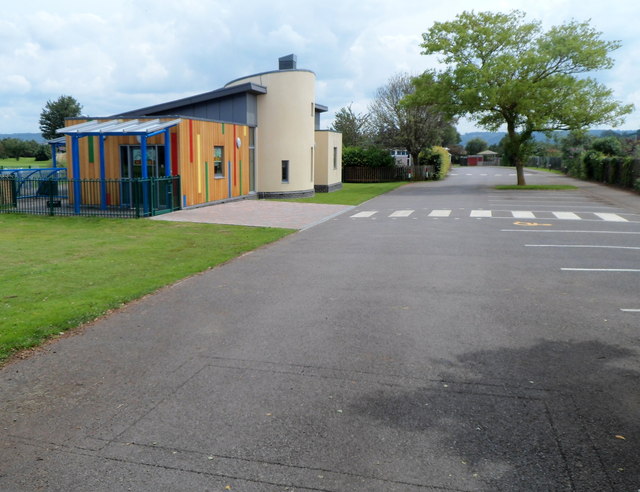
column 515, row 146
column 520, row 172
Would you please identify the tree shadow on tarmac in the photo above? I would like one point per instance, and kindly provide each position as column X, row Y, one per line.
column 553, row 416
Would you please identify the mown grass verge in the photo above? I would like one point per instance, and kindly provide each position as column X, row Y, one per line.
column 351, row 193
column 58, row 272
column 536, row 187
column 24, row 162
column 546, row 170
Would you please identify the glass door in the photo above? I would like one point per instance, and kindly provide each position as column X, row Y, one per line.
column 131, row 167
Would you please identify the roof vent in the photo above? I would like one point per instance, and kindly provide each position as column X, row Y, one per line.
column 287, row 62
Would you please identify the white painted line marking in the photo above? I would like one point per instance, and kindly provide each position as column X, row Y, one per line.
column 402, row 213
column 600, row 270
column 568, row 231
column 610, row 217
column 480, row 213
column 522, row 214
column 440, row 213
column 566, row 215
column 631, row 310
column 367, row 213
column 578, row 246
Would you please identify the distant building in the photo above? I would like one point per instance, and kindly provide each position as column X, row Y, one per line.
column 401, row 157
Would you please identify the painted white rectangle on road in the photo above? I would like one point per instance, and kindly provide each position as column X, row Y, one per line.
column 579, row 246
column 527, row 229
column 440, row 213
column 610, row 217
column 365, row 214
column 634, row 270
column 480, row 213
column 521, row 214
column 402, row 213
column 631, row 310
column 566, row 215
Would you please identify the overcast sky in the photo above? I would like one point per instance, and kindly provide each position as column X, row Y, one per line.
column 119, row 55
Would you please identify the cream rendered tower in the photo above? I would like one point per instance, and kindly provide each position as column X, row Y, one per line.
column 285, row 134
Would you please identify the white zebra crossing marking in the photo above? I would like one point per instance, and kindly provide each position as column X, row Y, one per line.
column 480, row 213
column 365, row 214
column 402, row 213
column 440, row 213
column 521, row 214
column 566, row 216
column 610, row 217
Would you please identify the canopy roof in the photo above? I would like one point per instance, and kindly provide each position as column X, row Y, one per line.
column 118, row 127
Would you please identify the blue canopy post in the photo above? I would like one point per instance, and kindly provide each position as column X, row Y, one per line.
column 55, row 144
column 103, row 179
column 54, row 155
column 167, row 152
column 145, row 174
column 77, row 185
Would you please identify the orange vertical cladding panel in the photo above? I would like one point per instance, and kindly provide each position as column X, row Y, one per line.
column 201, row 169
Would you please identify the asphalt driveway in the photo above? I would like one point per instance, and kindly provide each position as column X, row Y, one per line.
column 442, row 337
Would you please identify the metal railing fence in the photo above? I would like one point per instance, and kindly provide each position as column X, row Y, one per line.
column 122, row 198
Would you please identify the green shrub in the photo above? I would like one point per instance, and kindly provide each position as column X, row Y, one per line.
column 439, row 158
column 608, row 146
column 575, row 167
column 43, row 153
column 371, row 157
column 593, row 166
column 626, row 178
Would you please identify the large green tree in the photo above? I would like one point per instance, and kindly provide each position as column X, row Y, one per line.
column 53, row 115
column 354, row 127
column 503, row 71
column 413, row 127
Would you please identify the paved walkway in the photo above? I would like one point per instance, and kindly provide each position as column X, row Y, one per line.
column 262, row 213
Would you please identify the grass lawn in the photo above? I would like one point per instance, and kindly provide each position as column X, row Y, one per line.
column 351, row 193
column 58, row 272
column 553, row 171
column 25, row 162
column 536, row 187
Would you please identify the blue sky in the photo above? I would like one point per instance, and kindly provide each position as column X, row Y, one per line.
column 123, row 54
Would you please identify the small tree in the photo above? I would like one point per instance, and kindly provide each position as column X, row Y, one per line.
column 43, row 153
column 501, row 70
column 14, row 148
column 354, row 127
column 54, row 113
column 476, row 145
column 395, row 124
column 609, row 146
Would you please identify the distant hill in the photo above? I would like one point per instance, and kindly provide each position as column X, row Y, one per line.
column 24, row 136
column 494, row 137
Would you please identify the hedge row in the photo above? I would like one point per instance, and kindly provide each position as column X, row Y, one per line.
column 619, row 171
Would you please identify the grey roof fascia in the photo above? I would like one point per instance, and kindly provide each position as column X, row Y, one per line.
column 249, row 87
column 321, row 108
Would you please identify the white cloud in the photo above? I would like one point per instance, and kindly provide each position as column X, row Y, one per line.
column 122, row 54
column 14, row 84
